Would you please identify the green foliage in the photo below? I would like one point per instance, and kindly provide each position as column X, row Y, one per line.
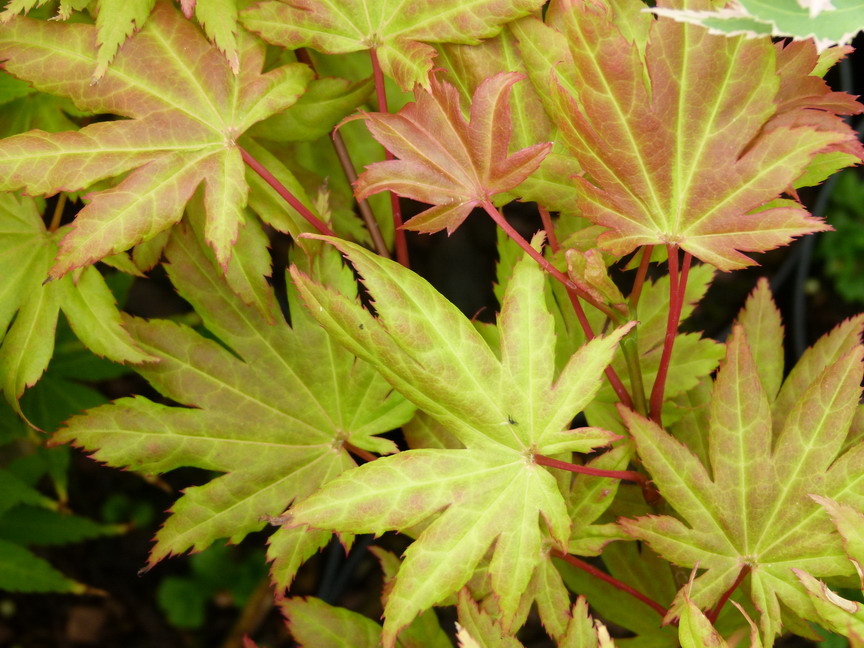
column 841, row 250
column 183, row 140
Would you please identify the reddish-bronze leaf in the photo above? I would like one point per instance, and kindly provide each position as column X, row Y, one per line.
column 689, row 141
column 445, row 160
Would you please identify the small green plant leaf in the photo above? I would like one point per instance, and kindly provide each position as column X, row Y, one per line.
column 273, row 413
column 29, row 525
column 398, row 37
column 179, row 137
column 26, row 251
column 446, row 160
column 751, row 507
column 23, row 571
column 315, row 624
column 503, row 410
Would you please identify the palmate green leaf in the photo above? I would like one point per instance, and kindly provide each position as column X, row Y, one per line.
column 32, row 308
column 751, row 506
column 118, row 20
column 183, row 131
column 696, row 132
column 504, row 410
column 272, row 411
column 445, row 160
column 396, row 30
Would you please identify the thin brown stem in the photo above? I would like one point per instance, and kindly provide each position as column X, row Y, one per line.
column 362, row 205
column 677, row 287
column 381, row 94
column 713, row 614
column 359, row 452
column 283, row 191
column 57, row 216
column 549, row 227
column 648, row 489
column 639, row 281
column 614, row 582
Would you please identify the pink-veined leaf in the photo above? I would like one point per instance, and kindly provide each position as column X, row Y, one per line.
column 503, row 408
column 682, row 144
column 398, row 31
column 273, row 413
column 445, row 160
column 185, row 121
column 751, row 505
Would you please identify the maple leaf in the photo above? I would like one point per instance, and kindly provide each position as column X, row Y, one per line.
column 467, row 66
column 686, row 142
column 504, row 410
column 273, row 413
column 183, row 132
column 749, row 507
column 397, row 31
column 445, row 160
column 26, row 251
column 118, row 20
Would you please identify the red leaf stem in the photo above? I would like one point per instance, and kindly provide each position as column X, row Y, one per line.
column 651, row 493
column 381, row 94
column 359, row 452
column 549, row 227
column 283, row 191
column 572, row 291
column 713, row 614
column 614, row 582
column 639, row 281
column 677, row 288
column 611, row 376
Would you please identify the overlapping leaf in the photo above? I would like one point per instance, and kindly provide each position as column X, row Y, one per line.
column 26, row 251
column 117, row 20
column 445, row 160
column 188, row 112
column 689, row 141
column 398, row 31
column 827, row 23
column 751, row 506
column 467, row 66
column 504, row 410
column 273, row 412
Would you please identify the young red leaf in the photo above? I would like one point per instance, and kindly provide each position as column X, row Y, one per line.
column 752, row 507
column 398, row 32
column 686, row 142
column 185, row 123
column 445, row 160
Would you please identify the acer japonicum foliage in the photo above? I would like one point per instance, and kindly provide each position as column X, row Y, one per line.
column 702, row 472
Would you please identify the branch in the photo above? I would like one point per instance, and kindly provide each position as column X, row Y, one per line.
column 359, row 452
